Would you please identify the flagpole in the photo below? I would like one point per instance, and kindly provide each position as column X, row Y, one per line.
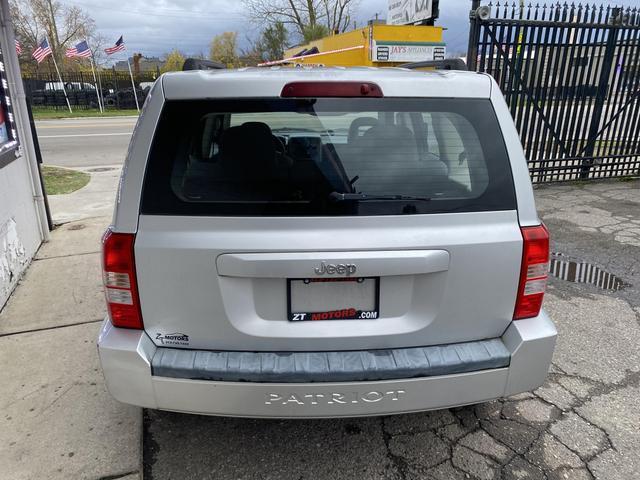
column 95, row 81
column 53, row 57
column 101, row 95
column 133, row 84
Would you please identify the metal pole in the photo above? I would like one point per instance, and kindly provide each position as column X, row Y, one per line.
column 95, row 81
column 133, row 84
column 101, row 94
column 53, row 57
column 520, row 36
column 601, row 97
column 22, row 118
column 36, row 147
column 474, row 31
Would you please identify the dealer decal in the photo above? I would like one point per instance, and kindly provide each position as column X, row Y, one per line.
column 173, row 338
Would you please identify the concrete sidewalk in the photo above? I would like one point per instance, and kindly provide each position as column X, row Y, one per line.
column 94, row 200
column 58, row 421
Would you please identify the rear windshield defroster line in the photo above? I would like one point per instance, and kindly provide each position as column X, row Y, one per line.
column 294, row 157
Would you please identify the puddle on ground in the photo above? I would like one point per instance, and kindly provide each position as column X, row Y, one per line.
column 101, row 169
column 583, row 272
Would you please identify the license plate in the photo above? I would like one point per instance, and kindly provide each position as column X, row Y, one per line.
column 333, row 298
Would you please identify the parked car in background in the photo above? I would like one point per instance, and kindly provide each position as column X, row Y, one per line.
column 69, row 86
column 146, row 85
column 324, row 243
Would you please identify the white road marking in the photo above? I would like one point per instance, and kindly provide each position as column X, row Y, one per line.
column 86, row 135
column 93, row 125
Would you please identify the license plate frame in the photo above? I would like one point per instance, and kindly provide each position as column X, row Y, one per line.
column 346, row 313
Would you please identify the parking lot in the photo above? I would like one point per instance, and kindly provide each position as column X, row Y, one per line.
column 58, row 421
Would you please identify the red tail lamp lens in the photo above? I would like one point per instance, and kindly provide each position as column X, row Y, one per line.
column 533, row 272
column 119, row 278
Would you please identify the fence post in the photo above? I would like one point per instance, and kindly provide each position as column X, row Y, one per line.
column 601, row 95
column 115, row 79
column 474, row 36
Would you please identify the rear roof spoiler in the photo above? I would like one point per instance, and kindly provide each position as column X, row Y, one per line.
column 201, row 64
column 447, row 64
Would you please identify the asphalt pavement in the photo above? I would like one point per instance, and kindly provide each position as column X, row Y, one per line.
column 85, row 142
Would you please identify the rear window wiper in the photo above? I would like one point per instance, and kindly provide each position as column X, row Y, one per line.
column 342, row 197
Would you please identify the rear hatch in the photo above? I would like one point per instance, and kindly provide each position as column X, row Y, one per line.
column 318, row 224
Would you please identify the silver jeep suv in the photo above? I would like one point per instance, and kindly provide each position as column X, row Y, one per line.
column 324, row 243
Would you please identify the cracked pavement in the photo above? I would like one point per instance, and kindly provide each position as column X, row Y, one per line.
column 581, row 424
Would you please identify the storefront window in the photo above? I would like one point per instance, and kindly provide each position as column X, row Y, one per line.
column 8, row 135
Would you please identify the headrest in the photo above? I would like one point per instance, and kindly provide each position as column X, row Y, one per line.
column 387, row 137
column 357, row 124
column 248, row 150
column 304, row 149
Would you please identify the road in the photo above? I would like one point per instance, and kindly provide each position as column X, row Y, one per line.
column 85, row 142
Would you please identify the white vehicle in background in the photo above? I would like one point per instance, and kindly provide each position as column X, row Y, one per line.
column 324, row 243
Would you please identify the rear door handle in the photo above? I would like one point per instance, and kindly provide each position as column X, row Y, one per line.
column 332, row 264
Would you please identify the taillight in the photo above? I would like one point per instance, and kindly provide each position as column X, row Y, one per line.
column 533, row 272
column 119, row 278
column 331, row 89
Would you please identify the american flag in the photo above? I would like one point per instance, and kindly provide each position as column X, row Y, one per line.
column 18, row 47
column 80, row 50
column 118, row 47
column 42, row 52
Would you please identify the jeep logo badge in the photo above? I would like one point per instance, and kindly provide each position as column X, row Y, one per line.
column 347, row 269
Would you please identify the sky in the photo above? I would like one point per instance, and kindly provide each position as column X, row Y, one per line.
column 155, row 27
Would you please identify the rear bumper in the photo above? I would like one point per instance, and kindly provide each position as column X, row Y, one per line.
column 127, row 355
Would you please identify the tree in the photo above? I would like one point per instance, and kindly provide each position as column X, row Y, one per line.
column 252, row 56
column 173, row 62
column 304, row 15
column 224, row 49
column 314, row 32
column 97, row 43
column 273, row 41
column 61, row 24
column 269, row 46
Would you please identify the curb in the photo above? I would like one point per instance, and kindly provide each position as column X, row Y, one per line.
column 85, row 118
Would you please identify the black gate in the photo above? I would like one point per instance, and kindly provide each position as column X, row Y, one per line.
column 571, row 77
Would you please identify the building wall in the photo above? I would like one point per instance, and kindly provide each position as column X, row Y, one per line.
column 19, row 232
column 22, row 210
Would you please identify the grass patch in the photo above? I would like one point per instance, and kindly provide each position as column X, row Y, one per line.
column 630, row 178
column 59, row 181
column 52, row 113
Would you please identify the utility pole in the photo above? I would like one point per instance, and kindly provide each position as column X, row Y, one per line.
column 474, row 34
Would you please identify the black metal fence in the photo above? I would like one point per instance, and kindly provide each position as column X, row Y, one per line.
column 45, row 89
column 571, row 77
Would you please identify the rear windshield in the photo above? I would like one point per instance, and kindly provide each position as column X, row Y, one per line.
column 327, row 157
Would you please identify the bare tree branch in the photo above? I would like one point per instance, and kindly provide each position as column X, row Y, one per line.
column 303, row 14
column 62, row 25
column 296, row 15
